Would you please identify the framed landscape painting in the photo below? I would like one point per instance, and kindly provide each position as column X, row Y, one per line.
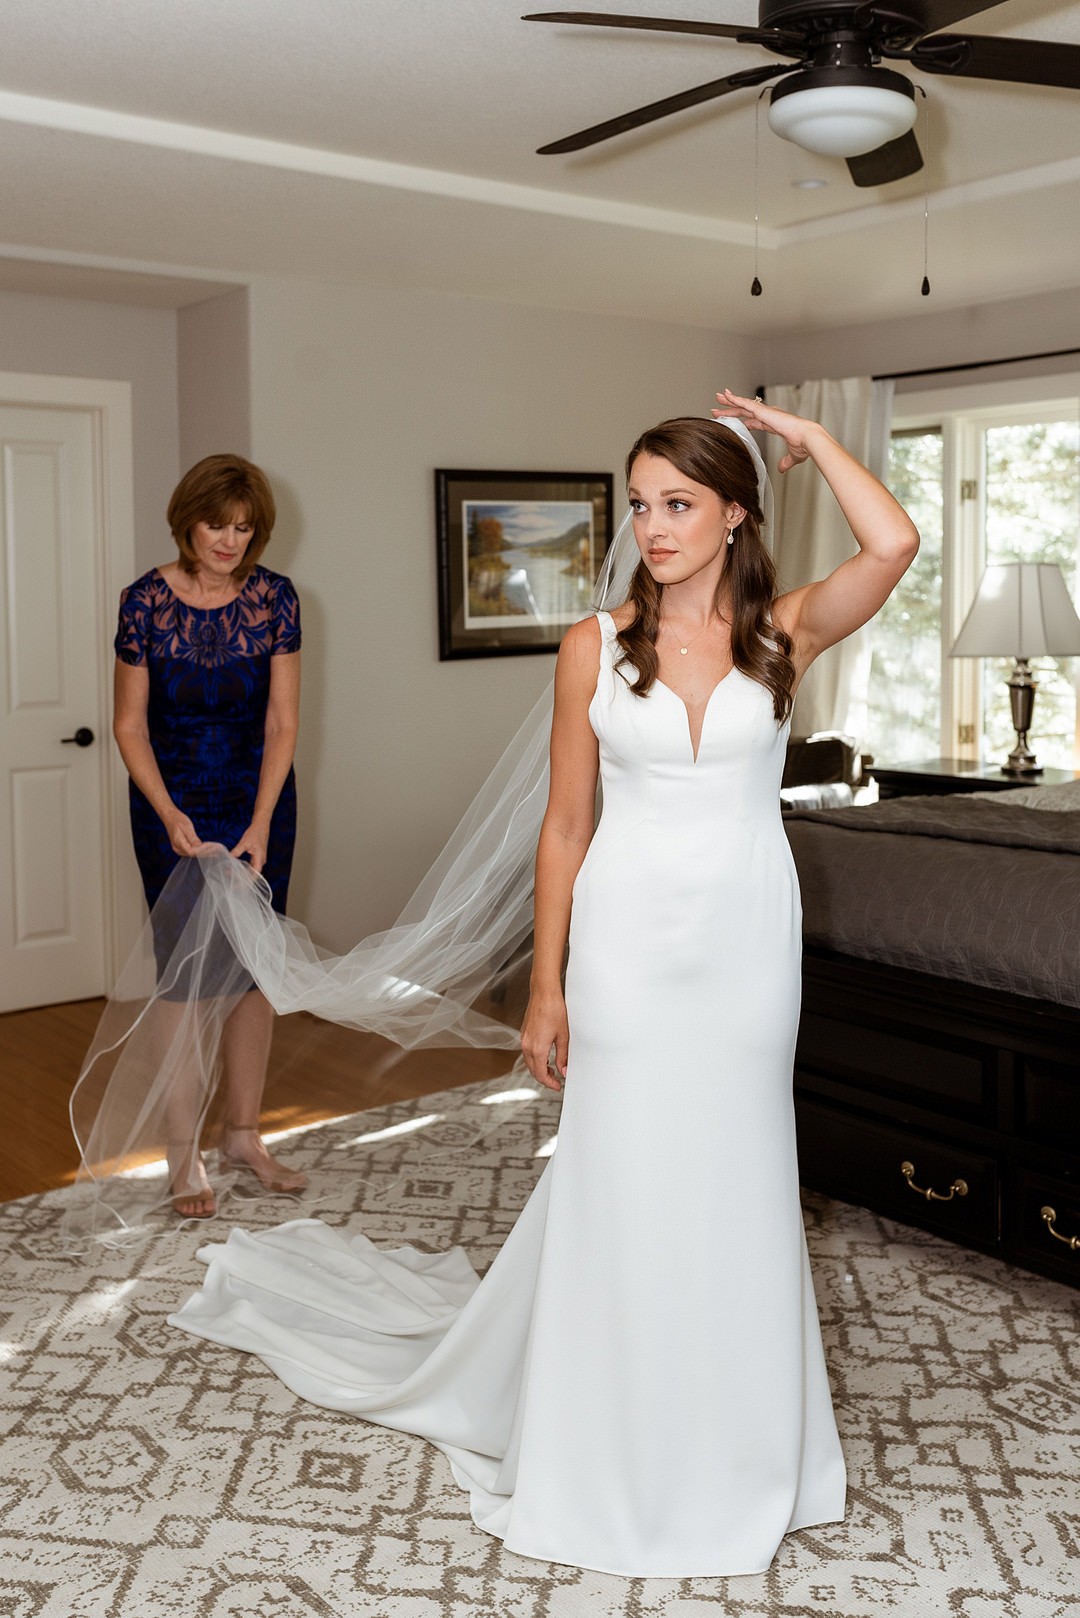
column 518, row 554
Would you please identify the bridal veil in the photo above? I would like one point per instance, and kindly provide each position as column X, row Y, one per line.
column 155, row 1062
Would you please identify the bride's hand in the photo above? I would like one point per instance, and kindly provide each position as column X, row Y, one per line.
column 546, row 1026
column 764, row 418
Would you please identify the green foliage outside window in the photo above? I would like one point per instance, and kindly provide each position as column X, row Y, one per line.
column 905, row 670
column 1032, row 512
column 1033, row 515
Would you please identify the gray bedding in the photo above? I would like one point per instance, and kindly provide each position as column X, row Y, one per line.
column 965, row 888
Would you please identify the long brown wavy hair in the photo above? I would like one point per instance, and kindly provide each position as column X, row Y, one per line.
column 709, row 453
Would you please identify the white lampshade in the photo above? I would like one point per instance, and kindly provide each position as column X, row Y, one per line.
column 842, row 112
column 1021, row 609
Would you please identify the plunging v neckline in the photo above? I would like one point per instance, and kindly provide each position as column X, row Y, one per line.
column 695, row 752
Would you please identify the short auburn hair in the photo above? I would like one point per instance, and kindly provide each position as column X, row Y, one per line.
column 212, row 491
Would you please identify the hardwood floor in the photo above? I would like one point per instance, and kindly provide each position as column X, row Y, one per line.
column 317, row 1071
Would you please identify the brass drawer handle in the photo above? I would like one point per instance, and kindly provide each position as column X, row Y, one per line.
column 959, row 1188
column 1071, row 1242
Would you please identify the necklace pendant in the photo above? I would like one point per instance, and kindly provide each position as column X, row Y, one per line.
column 684, row 650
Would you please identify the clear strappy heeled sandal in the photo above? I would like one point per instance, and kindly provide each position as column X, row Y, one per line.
column 271, row 1175
column 190, row 1191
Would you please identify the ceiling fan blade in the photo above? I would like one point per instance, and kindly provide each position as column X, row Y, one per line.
column 661, row 109
column 943, row 13
column 893, row 161
column 1013, row 61
column 669, row 25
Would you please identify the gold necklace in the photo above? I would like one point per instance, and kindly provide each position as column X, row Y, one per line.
column 684, row 649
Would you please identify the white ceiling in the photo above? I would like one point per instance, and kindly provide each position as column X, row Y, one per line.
column 393, row 142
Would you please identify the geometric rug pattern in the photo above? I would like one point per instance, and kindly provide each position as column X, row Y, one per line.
column 146, row 1475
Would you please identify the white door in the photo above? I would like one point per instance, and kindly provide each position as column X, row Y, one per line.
column 52, row 871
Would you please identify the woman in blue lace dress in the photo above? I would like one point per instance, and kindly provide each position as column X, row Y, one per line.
column 206, row 711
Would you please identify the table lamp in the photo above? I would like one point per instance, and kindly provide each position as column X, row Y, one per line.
column 1021, row 610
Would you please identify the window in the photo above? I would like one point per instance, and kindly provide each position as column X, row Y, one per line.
column 905, row 667
column 984, row 482
column 1033, row 514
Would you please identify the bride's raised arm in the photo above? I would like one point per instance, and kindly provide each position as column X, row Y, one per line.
column 818, row 615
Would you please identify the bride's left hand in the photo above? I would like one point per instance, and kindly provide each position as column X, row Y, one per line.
column 760, row 417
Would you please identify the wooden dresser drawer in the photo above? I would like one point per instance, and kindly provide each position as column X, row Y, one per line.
column 1042, row 1244
column 1049, row 1110
column 862, row 1162
column 950, row 1076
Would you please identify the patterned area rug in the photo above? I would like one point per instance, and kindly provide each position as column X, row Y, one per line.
column 145, row 1476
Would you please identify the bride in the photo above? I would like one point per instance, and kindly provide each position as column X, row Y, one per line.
column 637, row 1385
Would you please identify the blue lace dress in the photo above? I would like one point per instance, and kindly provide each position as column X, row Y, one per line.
column 209, row 686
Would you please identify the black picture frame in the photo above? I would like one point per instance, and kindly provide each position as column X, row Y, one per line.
column 518, row 553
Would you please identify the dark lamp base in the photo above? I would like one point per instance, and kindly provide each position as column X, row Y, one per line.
column 1022, row 688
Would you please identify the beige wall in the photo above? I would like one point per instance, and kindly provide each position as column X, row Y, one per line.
column 117, row 343
column 350, row 398
column 356, row 397
column 933, row 337
column 214, row 377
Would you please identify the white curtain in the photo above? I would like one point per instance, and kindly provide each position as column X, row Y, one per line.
column 811, row 537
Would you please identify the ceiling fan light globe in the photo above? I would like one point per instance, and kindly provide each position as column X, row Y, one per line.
column 842, row 120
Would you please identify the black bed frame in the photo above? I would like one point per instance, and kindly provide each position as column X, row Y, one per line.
column 907, row 1084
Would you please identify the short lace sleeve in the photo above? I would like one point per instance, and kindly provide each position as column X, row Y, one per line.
column 133, row 627
column 284, row 617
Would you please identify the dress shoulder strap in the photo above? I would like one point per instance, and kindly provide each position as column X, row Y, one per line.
column 608, row 633
column 606, row 681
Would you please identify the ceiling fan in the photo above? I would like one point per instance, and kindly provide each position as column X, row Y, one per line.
column 834, row 98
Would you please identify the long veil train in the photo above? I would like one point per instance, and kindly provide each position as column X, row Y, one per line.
column 154, row 1062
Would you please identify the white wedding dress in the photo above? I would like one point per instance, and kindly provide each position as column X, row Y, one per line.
column 637, row 1385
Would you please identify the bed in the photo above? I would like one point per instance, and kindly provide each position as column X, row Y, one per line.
column 938, row 1065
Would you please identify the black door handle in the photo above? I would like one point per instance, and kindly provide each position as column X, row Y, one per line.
column 83, row 737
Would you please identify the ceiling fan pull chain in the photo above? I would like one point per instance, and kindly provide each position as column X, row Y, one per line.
column 755, row 285
column 926, row 199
